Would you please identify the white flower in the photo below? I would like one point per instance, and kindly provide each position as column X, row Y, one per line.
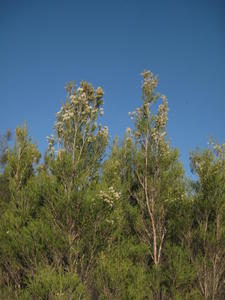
column 80, row 90
column 105, row 131
column 163, row 134
column 50, row 138
column 66, row 117
column 72, row 97
column 138, row 110
column 128, row 130
column 117, row 195
column 88, row 109
column 99, row 92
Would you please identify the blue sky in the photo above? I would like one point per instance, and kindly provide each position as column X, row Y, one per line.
column 44, row 44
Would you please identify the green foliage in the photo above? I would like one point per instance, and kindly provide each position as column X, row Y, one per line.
column 180, row 273
column 21, row 160
column 208, row 220
column 130, row 226
column 48, row 283
column 121, row 273
column 80, row 140
column 4, row 140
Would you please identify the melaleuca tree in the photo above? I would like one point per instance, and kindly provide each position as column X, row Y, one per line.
column 21, row 161
column 15, row 238
column 74, row 157
column 128, row 227
column 80, row 141
column 207, row 233
column 156, row 180
column 120, row 271
column 156, row 168
column 50, row 283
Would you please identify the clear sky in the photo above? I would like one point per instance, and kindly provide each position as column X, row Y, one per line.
column 44, row 44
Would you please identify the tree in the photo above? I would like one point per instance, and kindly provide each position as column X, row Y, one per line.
column 21, row 160
column 4, row 139
column 80, row 141
column 207, row 237
column 156, row 168
column 129, row 226
column 74, row 158
column 14, row 238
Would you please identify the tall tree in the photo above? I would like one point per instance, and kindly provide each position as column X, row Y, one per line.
column 157, row 170
column 74, row 158
column 80, row 141
column 21, row 161
column 207, row 237
column 19, row 172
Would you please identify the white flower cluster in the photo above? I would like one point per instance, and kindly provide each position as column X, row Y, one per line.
column 51, row 143
column 161, row 119
column 83, row 107
column 128, row 131
column 150, row 82
column 99, row 92
column 137, row 113
column 67, row 114
column 60, row 153
column 104, row 131
column 110, row 196
column 80, row 90
column 132, row 114
column 129, row 135
column 156, row 135
column 158, row 138
column 219, row 150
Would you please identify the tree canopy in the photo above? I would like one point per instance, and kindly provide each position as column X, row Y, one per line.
column 81, row 224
